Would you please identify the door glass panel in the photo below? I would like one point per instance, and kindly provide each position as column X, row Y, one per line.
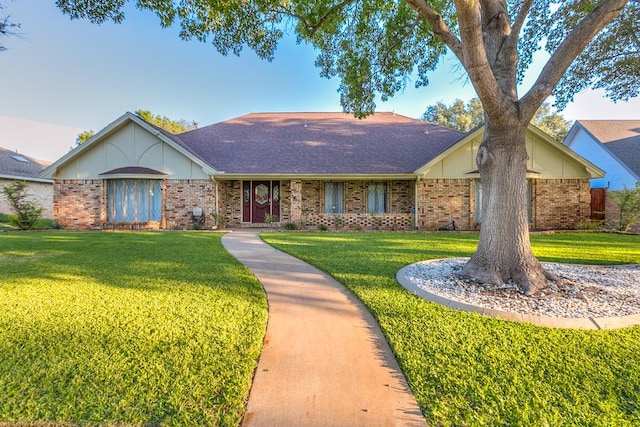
column 262, row 194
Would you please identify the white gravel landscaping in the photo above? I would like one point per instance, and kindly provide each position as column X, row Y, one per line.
column 583, row 291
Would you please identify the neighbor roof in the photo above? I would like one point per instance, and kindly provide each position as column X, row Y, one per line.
column 14, row 165
column 319, row 143
column 621, row 137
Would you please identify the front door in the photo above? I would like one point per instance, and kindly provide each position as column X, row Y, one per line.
column 261, row 195
column 259, row 199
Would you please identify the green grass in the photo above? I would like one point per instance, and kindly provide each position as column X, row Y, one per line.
column 467, row 369
column 126, row 329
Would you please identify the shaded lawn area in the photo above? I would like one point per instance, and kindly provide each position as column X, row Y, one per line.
column 467, row 369
column 126, row 328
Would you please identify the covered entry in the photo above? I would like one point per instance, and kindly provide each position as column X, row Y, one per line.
column 260, row 201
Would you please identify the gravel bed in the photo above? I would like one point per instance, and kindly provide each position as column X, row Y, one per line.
column 583, row 290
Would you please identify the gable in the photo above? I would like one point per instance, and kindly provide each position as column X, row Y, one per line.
column 547, row 159
column 613, row 156
column 129, row 144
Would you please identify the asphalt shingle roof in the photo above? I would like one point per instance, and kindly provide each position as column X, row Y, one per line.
column 621, row 137
column 11, row 165
column 319, row 143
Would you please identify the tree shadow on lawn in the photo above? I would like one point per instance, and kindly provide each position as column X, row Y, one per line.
column 149, row 261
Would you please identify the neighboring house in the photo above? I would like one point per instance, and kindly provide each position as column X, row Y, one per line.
column 386, row 171
column 19, row 167
column 612, row 145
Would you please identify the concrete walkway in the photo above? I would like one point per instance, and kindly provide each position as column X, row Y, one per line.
column 325, row 361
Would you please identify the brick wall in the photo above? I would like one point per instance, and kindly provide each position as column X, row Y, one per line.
column 79, row 204
column 442, row 201
column 400, row 201
column 82, row 204
column 39, row 191
column 560, row 203
column 181, row 196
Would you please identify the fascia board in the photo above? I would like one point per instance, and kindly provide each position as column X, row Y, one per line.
column 323, row 177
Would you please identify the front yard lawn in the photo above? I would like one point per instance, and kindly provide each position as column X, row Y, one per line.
column 125, row 329
column 470, row 370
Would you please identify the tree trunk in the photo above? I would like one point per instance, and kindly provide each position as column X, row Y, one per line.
column 504, row 249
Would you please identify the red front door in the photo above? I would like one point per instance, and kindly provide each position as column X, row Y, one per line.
column 261, row 200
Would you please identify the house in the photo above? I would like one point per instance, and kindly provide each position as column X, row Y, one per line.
column 612, row 145
column 312, row 169
column 19, row 167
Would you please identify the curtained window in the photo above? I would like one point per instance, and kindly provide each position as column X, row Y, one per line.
column 134, row 200
column 333, row 196
column 377, row 197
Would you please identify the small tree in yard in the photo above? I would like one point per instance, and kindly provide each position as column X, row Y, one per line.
column 26, row 211
column 376, row 47
column 627, row 201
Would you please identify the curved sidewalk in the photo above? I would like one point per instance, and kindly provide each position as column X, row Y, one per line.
column 325, row 361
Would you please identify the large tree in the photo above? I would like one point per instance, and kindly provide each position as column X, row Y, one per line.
column 466, row 116
column 376, row 46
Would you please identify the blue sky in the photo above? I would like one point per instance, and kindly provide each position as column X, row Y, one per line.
column 60, row 77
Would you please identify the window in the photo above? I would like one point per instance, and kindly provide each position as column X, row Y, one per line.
column 377, row 197
column 133, row 200
column 333, row 195
column 479, row 201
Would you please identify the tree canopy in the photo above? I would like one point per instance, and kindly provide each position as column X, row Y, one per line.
column 466, row 116
column 378, row 47
column 164, row 122
column 84, row 136
column 172, row 126
column 7, row 27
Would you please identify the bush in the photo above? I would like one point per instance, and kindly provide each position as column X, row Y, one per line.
column 290, row 226
column 322, row 227
column 628, row 202
column 26, row 211
column 4, row 217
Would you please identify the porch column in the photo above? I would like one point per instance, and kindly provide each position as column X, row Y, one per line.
column 296, row 200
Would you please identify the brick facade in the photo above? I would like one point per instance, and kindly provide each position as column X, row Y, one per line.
column 555, row 204
column 181, row 197
column 79, row 204
column 560, row 204
column 443, row 201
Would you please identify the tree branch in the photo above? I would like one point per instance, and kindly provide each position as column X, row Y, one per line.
column 520, row 18
column 398, row 40
column 569, row 49
column 476, row 63
column 439, row 27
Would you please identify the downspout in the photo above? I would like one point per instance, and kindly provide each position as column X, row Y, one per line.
column 415, row 203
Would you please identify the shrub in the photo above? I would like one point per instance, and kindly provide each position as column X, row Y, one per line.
column 26, row 210
column 322, row 227
column 290, row 226
column 627, row 201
